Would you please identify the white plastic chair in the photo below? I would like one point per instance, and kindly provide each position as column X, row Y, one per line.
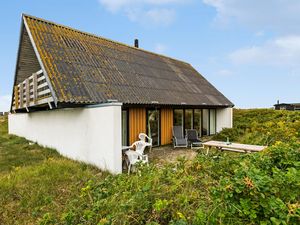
column 137, row 155
column 144, row 137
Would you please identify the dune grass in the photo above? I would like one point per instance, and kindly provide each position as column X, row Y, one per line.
column 36, row 180
column 38, row 186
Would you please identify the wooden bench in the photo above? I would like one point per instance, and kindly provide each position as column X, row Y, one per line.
column 234, row 147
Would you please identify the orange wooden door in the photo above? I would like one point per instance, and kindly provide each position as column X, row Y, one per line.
column 166, row 125
column 137, row 123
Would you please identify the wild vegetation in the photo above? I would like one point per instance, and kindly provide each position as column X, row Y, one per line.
column 39, row 186
column 36, row 180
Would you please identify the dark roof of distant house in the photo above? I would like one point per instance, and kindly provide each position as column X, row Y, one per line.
column 291, row 104
column 87, row 69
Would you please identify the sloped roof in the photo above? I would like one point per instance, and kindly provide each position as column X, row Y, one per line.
column 87, row 69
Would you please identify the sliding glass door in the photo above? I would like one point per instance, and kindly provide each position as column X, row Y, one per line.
column 205, row 122
column 198, row 121
column 202, row 120
column 153, row 128
column 188, row 119
column 178, row 117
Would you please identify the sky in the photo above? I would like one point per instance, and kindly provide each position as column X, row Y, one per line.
column 248, row 49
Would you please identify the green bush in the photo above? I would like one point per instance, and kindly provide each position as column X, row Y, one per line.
column 228, row 188
column 221, row 188
column 263, row 127
column 264, row 189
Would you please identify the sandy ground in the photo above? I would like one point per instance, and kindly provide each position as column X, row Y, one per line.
column 166, row 154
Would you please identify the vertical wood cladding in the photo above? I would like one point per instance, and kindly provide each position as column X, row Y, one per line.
column 137, row 123
column 166, row 125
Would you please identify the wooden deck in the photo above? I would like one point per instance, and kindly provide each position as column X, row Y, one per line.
column 235, row 147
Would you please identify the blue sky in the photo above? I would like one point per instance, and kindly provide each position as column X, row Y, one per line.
column 248, row 49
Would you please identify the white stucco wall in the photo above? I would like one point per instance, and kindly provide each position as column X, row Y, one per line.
column 91, row 135
column 224, row 118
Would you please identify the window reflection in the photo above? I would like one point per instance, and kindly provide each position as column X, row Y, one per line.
column 205, row 125
column 178, row 117
column 197, row 121
column 212, row 121
column 202, row 120
column 188, row 119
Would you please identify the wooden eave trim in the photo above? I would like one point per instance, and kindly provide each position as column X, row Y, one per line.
column 17, row 62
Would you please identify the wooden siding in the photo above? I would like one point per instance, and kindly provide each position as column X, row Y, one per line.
column 166, row 125
column 27, row 62
column 137, row 123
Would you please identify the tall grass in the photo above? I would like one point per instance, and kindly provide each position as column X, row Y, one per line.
column 37, row 186
column 36, row 180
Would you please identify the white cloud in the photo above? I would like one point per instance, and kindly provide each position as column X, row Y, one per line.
column 165, row 16
column 278, row 18
column 5, row 103
column 278, row 15
column 115, row 5
column 152, row 16
column 158, row 12
column 225, row 72
column 283, row 51
column 259, row 34
column 160, row 48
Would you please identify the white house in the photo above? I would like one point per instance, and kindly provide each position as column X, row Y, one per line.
column 86, row 96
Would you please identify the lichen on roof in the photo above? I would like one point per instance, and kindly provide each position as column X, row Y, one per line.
column 86, row 69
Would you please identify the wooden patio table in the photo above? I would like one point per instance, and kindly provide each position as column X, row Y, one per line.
column 235, row 147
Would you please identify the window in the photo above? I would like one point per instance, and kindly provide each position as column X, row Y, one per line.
column 178, row 117
column 124, row 128
column 205, row 119
column 153, row 126
column 212, row 121
column 197, row 121
column 188, row 119
column 202, row 120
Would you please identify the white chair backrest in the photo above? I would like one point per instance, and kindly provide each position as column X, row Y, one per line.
column 143, row 137
column 139, row 146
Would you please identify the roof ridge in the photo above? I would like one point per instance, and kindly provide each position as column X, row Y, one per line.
column 97, row 36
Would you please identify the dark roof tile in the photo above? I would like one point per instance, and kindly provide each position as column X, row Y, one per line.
column 84, row 68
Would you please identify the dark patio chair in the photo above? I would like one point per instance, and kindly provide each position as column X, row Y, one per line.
column 178, row 138
column 192, row 138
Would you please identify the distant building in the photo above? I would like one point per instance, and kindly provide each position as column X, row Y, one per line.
column 287, row 106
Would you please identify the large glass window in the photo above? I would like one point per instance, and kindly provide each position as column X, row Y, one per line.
column 178, row 117
column 212, row 121
column 188, row 119
column 205, row 120
column 202, row 120
column 153, row 126
column 124, row 128
column 197, row 121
